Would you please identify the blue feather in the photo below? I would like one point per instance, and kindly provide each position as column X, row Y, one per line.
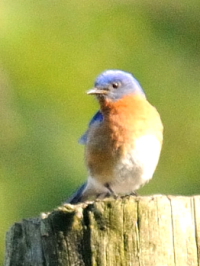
column 97, row 118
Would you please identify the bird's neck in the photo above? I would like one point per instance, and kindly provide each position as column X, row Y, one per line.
column 107, row 105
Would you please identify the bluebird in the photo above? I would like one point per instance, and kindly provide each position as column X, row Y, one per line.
column 123, row 140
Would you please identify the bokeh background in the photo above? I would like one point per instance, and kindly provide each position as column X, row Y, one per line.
column 50, row 53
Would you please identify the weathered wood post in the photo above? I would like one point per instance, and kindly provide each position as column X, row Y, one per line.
column 138, row 231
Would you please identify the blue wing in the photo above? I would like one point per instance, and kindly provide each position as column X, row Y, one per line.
column 97, row 119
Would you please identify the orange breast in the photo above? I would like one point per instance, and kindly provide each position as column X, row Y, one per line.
column 132, row 114
column 124, row 121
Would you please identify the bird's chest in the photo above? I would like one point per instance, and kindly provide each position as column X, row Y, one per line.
column 124, row 122
column 123, row 143
column 110, row 148
column 110, row 138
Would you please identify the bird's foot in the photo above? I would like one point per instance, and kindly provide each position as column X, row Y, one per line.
column 111, row 192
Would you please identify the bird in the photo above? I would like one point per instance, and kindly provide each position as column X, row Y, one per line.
column 123, row 140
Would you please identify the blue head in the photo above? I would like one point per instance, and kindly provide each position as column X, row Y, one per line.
column 115, row 84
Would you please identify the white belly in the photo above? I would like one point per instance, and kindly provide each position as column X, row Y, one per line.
column 138, row 166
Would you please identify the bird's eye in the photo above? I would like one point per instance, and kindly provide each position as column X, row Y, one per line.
column 115, row 85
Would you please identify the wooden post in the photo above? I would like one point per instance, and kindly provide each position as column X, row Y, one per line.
column 138, row 231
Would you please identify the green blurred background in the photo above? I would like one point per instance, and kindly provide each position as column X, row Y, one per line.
column 50, row 54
